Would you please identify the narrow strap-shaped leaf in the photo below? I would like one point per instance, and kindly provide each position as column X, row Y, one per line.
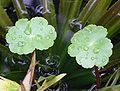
column 20, row 8
column 4, row 3
column 113, row 26
column 115, row 8
column 47, row 84
column 4, row 18
column 88, row 9
column 80, row 79
column 116, row 78
column 49, row 11
column 116, row 52
column 7, row 52
column 73, row 13
column 99, row 11
column 27, row 82
column 110, row 88
column 64, row 7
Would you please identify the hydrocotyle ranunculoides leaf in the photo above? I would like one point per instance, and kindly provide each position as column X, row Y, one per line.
column 8, row 85
column 91, row 47
column 28, row 35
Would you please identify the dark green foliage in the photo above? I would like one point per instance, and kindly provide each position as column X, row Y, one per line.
column 69, row 17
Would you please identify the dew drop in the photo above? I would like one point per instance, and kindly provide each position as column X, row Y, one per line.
column 92, row 58
column 27, row 32
column 85, row 48
column 13, row 38
column 96, row 50
column 51, row 32
column 20, row 44
column 104, row 59
column 47, row 37
column 39, row 37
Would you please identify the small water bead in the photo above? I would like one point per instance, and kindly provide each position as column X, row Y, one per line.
column 96, row 50
column 47, row 37
column 28, row 30
column 20, row 43
column 39, row 37
column 104, row 59
column 85, row 48
column 51, row 31
column 92, row 58
column 13, row 38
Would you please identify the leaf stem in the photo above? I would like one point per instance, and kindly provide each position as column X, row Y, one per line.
column 97, row 77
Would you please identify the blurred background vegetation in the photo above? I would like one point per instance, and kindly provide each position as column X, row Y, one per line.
column 67, row 16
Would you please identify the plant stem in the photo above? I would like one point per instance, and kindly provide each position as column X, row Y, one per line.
column 97, row 77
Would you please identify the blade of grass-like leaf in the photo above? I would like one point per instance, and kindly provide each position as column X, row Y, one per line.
column 115, row 8
column 8, row 85
column 65, row 32
column 72, row 14
column 108, row 82
column 4, row 3
column 88, row 9
column 27, row 82
column 99, row 11
column 64, row 7
column 47, row 84
column 20, row 8
column 110, row 88
column 6, row 51
column 49, row 12
column 3, row 32
column 113, row 26
column 76, row 74
column 116, row 77
column 13, row 75
column 116, row 52
column 80, row 79
column 4, row 18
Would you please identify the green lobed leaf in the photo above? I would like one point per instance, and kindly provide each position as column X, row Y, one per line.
column 26, row 35
column 91, row 47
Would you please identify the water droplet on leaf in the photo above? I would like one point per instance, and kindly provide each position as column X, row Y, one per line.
column 39, row 37
column 20, row 44
column 96, row 50
column 104, row 59
column 51, row 32
column 85, row 48
column 27, row 32
column 47, row 37
column 92, row 58
column 13, row 38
